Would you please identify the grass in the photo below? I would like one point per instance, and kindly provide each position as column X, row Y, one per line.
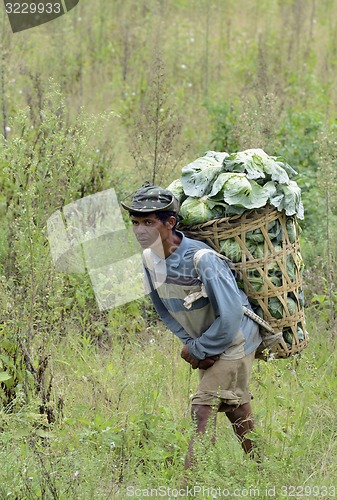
column 124, row 424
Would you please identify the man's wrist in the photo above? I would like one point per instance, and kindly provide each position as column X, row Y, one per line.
column 192, row 349
column 189, row 358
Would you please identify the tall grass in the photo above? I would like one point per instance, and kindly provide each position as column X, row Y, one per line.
column 125, row 422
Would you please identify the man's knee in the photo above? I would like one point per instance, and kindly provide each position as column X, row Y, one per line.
column 201, row 413
column 240, row 413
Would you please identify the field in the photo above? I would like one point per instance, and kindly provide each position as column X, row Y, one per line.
column 94, row 404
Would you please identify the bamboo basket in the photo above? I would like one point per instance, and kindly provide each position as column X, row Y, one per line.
column 295, row 336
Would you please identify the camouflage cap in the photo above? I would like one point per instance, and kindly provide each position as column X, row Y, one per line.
column 152, row 199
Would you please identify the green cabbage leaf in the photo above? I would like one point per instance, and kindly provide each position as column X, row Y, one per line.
column 275, row 307
column 241, row 191
column 231, row 249
column 291, row 229
column 197, row 177
column 288, row 198
column 199, row 210
column 217, row 155
column 177, row 190
column 256, row 249
column 258, row 165
column 249, row 161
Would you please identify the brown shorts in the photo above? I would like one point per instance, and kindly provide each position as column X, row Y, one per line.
column 225, row 384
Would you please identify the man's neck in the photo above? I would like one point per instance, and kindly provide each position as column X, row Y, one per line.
column 166, row 248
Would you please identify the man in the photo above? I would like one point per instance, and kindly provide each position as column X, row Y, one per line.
column 219, row 339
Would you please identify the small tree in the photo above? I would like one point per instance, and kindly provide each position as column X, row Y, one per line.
column 154, row 129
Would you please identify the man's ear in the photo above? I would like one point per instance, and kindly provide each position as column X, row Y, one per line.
column 171, row 221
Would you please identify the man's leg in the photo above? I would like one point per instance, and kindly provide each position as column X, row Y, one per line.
column 242, row 421
column 203, row 416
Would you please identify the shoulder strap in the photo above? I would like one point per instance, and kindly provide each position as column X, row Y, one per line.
column 199, row 253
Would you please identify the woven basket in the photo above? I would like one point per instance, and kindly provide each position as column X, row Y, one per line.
column 295, row 336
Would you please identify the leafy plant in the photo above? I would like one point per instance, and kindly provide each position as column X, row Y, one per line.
column 41, row 168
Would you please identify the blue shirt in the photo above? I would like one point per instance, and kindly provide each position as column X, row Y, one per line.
column 215, row 324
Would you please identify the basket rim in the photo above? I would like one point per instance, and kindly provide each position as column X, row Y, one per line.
column 248, row 214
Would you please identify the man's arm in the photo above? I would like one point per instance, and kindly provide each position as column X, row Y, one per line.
column 226, row 301
column 176, row 328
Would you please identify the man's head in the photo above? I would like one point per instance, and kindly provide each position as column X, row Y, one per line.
column 154, row 212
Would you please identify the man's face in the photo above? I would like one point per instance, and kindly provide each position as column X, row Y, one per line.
column 149, row 230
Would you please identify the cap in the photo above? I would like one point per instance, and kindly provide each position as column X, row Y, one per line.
column 152, row 199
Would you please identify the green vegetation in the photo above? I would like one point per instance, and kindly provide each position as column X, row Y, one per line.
column 112, row 94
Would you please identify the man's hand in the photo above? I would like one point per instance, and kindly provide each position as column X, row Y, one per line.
column 204, row 364
column 208, row 362
column 189, row 358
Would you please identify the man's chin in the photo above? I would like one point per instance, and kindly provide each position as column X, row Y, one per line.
column 155, row 245
column 145, row 243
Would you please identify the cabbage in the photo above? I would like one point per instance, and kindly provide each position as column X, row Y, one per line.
column 220, row 157
column 177, row 190
column 199, row 210
column 300, row 333
column 276, row 280
column 270, row 187
column 233, row 210
column 274, row 270
column 256, row 163
column 255, row 236
column 288, row 198
column 275, row 171
column 275, row 230
column 256, row 281
column 259, row 311
column 257, row 250
column 238, row 190
column 275, row 307
column 247, row 161
column 277, row 247
column 240, row 181
column 275, row 274
column 231, row 249
column 291, row 268
column 219, row 184
column 280, row 161
column 291, row 229
column 288, row 336
column 197, row 177
column 301, row 298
